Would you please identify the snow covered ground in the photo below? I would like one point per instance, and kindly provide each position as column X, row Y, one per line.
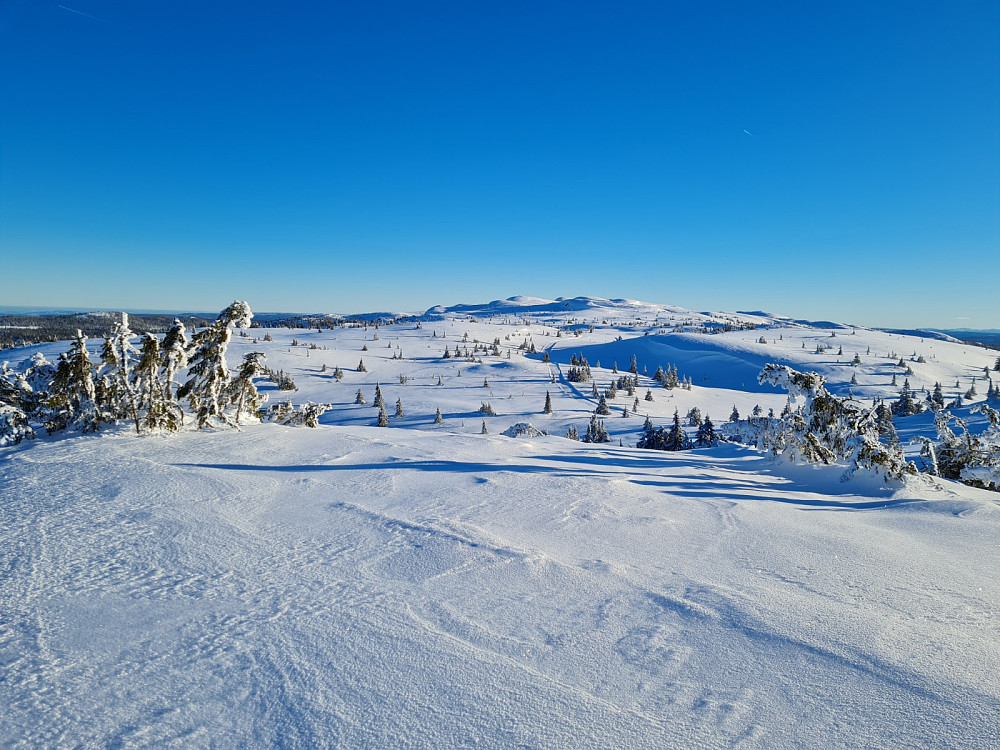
column 423, row 585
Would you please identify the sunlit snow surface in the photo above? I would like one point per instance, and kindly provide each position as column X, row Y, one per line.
column 426, row 586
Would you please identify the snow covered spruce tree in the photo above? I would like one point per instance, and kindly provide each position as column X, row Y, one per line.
column 73, row 395
column 18, row 400
column 115, row 389
column 160, row 411
column 208, row 374
column 242, row 391
column 174, row 353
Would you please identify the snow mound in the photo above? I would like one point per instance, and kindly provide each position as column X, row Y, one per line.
column 522, row 429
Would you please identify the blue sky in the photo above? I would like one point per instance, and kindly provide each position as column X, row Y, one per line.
column 828, row 160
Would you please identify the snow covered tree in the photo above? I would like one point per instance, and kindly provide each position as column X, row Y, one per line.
column 548, row 403
column 706, row 437
column 360, row 398
column 484, row 431
column 73, row 394
column 735, row 416
column 694, row 417
column 361, row 366
column 18, row 400
column 161, row 412
column 242, row 391
column 571, row 433
column 383, row 418
column 906, row 405
column 596, row 431
column 438, row 419
column 827, row 428
column 174, row 351
column 208, row 374
column 399, row 407
column 379, row 402
column 649, row 395
column 602, row 407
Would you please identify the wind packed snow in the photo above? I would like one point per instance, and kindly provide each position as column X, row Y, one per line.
column 424, row 585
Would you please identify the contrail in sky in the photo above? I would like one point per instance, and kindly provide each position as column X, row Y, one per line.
column 80, row 12
column 744, row 129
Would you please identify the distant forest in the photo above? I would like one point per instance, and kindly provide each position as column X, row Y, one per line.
column 24, row 330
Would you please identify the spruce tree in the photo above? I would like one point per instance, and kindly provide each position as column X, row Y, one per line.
column 735, row 416
column 706, row 436
column 174, row 353
column 360, row 398
column 438, row 419
column 379, row 402
column 383, row 418
column 161, row 411
column 548, row 403
column 484, row 431
column 602, row 407
column 242, row 391
column 72, row 393
column 208, row 373
column 399, row 407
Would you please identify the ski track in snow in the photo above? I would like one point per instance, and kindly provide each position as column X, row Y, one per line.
column 428, row 587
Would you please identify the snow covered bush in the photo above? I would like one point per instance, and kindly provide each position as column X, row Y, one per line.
column 306, row 415
column 964, row 456
column 522, row 429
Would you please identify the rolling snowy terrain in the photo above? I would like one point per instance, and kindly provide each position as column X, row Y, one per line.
column 425, row 585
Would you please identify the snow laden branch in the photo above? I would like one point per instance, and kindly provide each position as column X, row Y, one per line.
column 822, row 429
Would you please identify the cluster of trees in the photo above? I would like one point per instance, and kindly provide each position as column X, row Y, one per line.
column 674, row 438
column 138, row 384
column 824, row 428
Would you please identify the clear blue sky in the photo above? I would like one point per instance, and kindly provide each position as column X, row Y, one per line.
column 349, row 156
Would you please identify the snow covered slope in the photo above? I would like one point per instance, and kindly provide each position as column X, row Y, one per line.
column 423, row 585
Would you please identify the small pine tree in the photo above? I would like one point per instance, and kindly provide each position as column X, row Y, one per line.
column 548, row 403
column 438, row 419
column 383, row 418
column 649, row 395
column 360, row 398
column 735, row 416
column 379, row 402
column 571, row 433
column 602, row 407
column 484, row 431
column 361, row 366
column 706, row 436
column 399, row 407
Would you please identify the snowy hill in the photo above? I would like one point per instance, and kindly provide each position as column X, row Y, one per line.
column 426, row 585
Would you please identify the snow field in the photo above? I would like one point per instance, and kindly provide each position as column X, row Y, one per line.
column 425, row 586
